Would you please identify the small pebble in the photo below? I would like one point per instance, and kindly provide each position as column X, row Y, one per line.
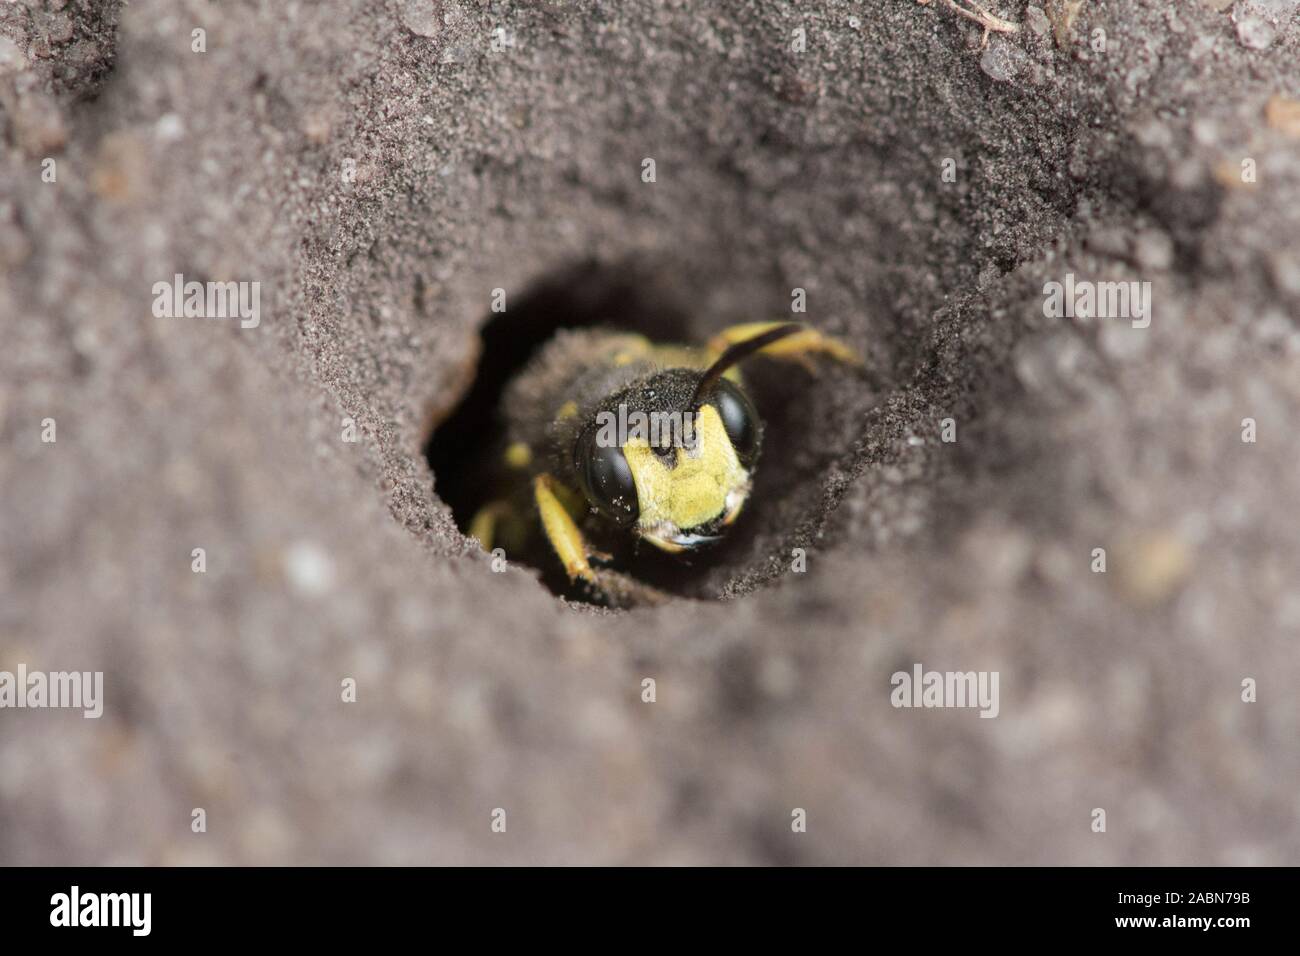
column 1004, row 61
column 1121, row 342
column 422, row 17
column 14, row 246
column 60, row 28
column 1276, row 9
column 1109, row 242
column 1255, row 32
column 309, row 569
column 12, row 59
column 1203, row 46
column 1154, row 250
column 1283, row 113
column 169, row 128
column 1273, row 328
column 1286, row 274
column 1153, row 566
column 38, row 123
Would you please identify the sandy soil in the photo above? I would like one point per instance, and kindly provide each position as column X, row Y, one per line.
column 380, row 167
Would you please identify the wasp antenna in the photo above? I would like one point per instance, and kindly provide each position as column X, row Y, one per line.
column 738, row 353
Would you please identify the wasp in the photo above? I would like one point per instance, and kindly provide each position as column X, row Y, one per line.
column 569, row 463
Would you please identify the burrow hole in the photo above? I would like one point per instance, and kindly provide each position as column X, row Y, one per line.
column 803, row 417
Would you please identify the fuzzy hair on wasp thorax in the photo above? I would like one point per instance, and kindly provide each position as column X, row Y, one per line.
column 611, row 436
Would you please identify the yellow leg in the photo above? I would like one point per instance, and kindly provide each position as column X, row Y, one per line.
column 484, row 524
column 561, row 530
column 501, row 524
column 797, row 346
column 616, row 589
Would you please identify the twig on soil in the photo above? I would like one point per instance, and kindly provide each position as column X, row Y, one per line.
column 981, row 15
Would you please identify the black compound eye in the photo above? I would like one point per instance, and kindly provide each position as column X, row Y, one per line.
column 738, row 418
column 606, row 479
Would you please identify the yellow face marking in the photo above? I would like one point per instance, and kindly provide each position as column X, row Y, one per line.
column 519, row 455
column 706, row 483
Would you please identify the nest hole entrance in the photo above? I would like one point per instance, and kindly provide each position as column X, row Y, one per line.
column 786, row 493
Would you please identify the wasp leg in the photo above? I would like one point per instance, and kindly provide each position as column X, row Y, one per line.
column 623, row 591
column 502, row 523
column 613, row 587
column 484, row 524
column 561, row 530
column 797, row 347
